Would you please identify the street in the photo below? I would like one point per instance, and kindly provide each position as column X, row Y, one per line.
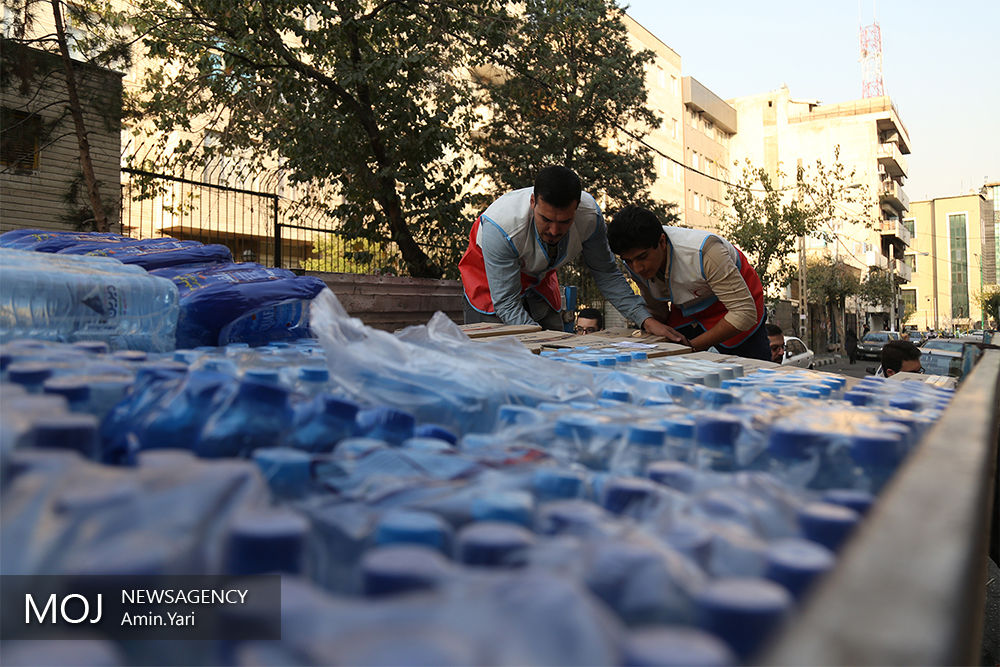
column 842, row 366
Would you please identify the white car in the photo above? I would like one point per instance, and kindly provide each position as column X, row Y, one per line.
column 797, row 354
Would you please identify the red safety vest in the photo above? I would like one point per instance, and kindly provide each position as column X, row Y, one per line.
column 477, row 288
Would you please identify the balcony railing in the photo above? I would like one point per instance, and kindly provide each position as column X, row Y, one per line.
column 893, row 193
column 903, row 273
column 890, row 157
column 897, row 229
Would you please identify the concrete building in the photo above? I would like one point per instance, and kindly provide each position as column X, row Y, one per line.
column 952, row 256
column 709, row 127
column 779, row 132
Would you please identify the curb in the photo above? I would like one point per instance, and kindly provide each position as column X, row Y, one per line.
column 819, row 362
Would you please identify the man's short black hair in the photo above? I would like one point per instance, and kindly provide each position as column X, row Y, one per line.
column 773, row 330
column 558, row 186
column 634, row 228
column 895, row 352
column 592, row 314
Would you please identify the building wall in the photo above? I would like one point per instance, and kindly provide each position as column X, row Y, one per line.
column 663, row 87
column 709, row 125
column 937, row 299
column 36, row 196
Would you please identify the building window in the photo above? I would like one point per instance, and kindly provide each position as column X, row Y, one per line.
column 673, row 85
column 910, row 227
column 958, row 244
column 694, row 159
column 697, row 202
column 911, row 261
column 675, row 129
column 664, row 166
column 909, row 303
column 20, row 140
column 678, row 173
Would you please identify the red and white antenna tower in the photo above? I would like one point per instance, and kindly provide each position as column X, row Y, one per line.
column 872, row 84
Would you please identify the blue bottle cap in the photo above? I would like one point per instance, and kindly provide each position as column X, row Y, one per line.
column 827, row 524
column 904, row 403
column 186, row 356
column 570, row 516
column 68, row 430
column 674, row 474
column 607, row 361
column 639, row 355
column 387, row 418
column 855, row 499
column 413, row 527
column 646, row 435
column 808, row 393
column 428, row 444
column 391, row 570
column 508, row 506
column 859, row 397
column 279, row 344
column 30, row 373
column 617, row 395
column 717, row 398
column 340, row 408
column 266, row 541
column 590, row 362
column 623, row 357
column 435, row 431
column 265, row 392
column 286, row 470
column 797, row 564
column 314, row 374
column 71, row 387
column 262, row 375
column 678, row 426
column 675, row 646
column 793, row 442
column 834, row 383
column 557, row 483
column 93, row 346
column 877, row 449
column 692, row 538
column 744, row 612
column 716, row 429
column 623, row 494
column 494, row 544
column 655, row 401
column 107, row 493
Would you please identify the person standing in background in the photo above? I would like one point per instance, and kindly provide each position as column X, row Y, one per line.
column 851, row 345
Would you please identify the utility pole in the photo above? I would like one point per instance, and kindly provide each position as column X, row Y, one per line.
column 892, row 285
column 803, row 297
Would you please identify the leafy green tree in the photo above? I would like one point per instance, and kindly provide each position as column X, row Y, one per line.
column 567, row 85
column 45, row 25
column 367, row 99
column 988, row 300
column 768, row 217
column 878, row 289
column 829, row 283
column 339, row 255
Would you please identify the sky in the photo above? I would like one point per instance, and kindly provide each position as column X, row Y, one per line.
column 941, row 67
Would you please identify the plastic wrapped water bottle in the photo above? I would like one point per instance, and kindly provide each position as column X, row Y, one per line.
column 323, row 422
column 385, row 423
column 494, row 544
column 675, row 646
column 414, row 527
column 716, row 435
column 877, row 455
column 257, row 416
column 266, row 541
column 797, row 564
column 794, row 454
column 76, row 298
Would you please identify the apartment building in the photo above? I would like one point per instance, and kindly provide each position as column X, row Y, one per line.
column 709, row 127
column 779, row 132
column 952, row 256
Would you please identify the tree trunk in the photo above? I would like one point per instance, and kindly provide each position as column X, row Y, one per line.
column 76, row 111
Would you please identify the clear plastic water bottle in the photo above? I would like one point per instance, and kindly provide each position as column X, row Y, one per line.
column 287, row 471
column 70, row 430
column 643, row 444
column 414, row 527
column 323, row 422
column 515, row 507
column 257, row 416
column 794, row 454
column 877, row 455
column 827, row 524
column 573, row 517
column 716, row 435
column 177, row 411
column 385, row 423
column 78, row 298
column 557, row 484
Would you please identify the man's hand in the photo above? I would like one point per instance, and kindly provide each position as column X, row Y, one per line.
column 657, row 328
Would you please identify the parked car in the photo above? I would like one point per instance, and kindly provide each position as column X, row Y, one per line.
column 797, row 354
column 870, row 346
column 950, row 344
column 917, row 337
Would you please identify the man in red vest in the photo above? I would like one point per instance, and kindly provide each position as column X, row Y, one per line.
column 695, row 281
column 516, row 245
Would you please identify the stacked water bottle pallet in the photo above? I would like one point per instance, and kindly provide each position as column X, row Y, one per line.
column 430, row 499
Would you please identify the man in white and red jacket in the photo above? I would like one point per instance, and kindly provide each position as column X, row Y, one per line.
column 696, row 282
column 516, row 245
